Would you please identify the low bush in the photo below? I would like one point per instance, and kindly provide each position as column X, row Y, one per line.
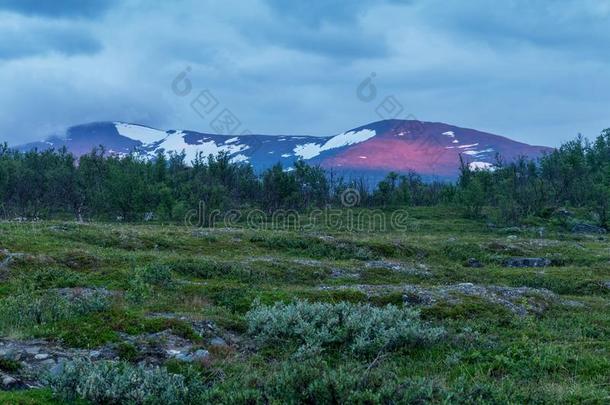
column 360, row 328
column 155, row 274
column 315, row 381
column 108, row 382
column 9, row 365
column 30, row 309
column 127, row 351
column 52, row 278
column 79, row 260
column 316, row 247
column 202, row 268
column 143, row 279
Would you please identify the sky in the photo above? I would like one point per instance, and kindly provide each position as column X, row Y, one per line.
column 533, row 70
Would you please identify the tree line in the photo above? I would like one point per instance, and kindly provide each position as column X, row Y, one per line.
column 99, row 186
column 576, row 175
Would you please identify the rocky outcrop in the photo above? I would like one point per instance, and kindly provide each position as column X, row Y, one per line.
column 527, row 262
column 32, row 360
column 519, row 300
column 398, row 267
column 588, row 229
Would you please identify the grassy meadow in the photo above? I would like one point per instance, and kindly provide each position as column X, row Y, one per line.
column 317, row 315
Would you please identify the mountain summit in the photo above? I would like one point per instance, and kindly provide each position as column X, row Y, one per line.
column 428, row 148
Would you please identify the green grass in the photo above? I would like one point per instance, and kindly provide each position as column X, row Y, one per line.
column 32, row 397
column 490, row 355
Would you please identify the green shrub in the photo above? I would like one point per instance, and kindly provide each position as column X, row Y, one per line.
column 79, row 259
column 52, row 278
column 30, row 309
column 143, row 279
column 155, row 274
column 127, row 351
column 315, row 381
column 108, row 382
column 360, row 328
column 316, row 247
column 9, row 365
column 202, row 268
column 138, row 290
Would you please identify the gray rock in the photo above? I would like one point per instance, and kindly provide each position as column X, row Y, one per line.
column 57, row 369
column 474, row 263
column 218, row 342
column 588, row 229
column 518, row 300
column 48, row 363
column 9, row 382
column 563, row 213
column 308, row 262
column 398, row 267
column 41, row 356
column 382, row 264
column 527, row 262
column 95, row 354
column 198, row 356
column 201, row 355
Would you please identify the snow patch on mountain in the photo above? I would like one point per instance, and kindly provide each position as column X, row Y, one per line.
column 477, row 152
column 140, row 133
column 239, row 158
column 176, row 142
column 480, row 166
column 311, row 150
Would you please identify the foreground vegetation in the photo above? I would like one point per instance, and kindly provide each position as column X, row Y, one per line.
column 429, row 313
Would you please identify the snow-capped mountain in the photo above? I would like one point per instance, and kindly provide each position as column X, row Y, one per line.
column 431, row 149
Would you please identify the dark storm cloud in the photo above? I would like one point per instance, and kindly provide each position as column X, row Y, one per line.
column 69, row 41
column 538, row 71
column 58, row 8
column 569, row 25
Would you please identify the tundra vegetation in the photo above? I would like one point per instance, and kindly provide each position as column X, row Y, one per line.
column 494, row 290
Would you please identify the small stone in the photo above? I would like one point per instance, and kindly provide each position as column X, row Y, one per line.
column 95, row 354
column 9, row 382
column 201, row 355
column 48, row 362
column 57, row 370
column 564, row 213
column 32, row 350
column 41, row 356
column 187, row 358
column 527, row 262
column 218, row 342
column 586, row 228
column 474, row 263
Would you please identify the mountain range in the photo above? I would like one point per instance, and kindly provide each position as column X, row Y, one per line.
column 429, row 148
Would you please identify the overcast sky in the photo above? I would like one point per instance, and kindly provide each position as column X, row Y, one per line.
column 536, row 71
